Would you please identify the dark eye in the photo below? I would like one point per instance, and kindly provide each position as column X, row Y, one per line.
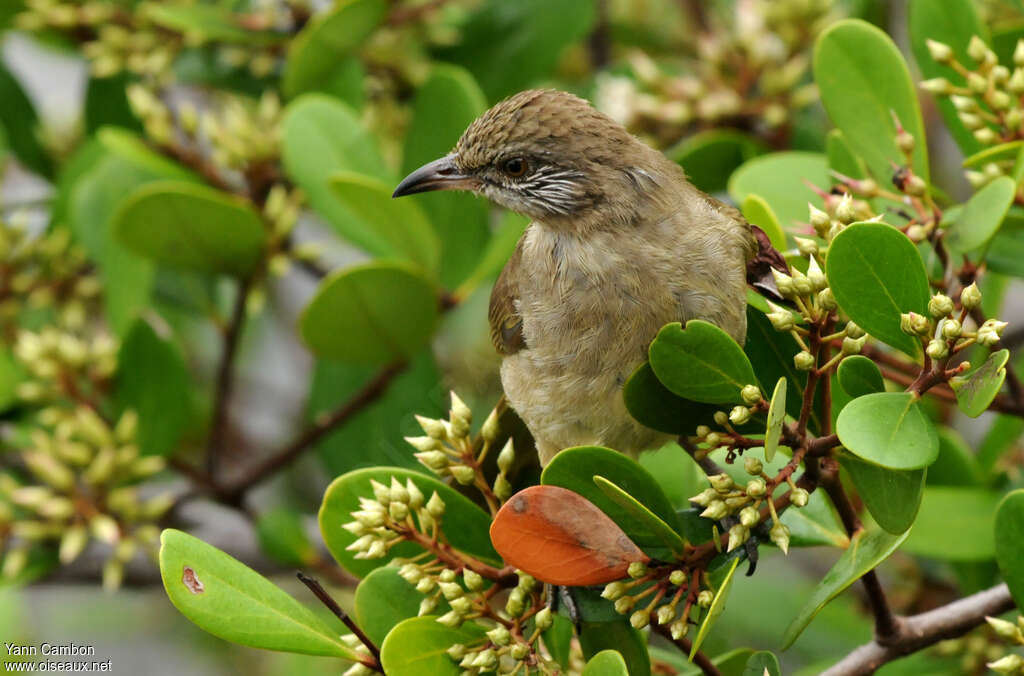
column 514, row 167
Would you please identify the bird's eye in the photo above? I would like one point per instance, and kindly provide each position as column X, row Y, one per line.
column 514, row 167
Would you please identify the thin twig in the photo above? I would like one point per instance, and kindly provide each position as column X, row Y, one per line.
column 226, row 379
column 320, row 428
column 684, row 644
column 920, row 631
column 333, row 606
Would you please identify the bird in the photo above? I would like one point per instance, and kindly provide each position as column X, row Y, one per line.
column 620, row 243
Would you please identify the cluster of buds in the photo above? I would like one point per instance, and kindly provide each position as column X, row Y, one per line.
column 396, row 513
column 727, row 437
column 448, row 449
column 748, row 72
column 944, row 329
column 243, row 134
column 86, row 472
column 1012, row 633
column 60, row 365
column 988, row 100
column 45, row 271
column 358, row 668
column 840, row 211
column 676, row 597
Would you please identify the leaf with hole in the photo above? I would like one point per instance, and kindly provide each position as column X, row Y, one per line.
column 372, row 313
column 976, row 390
column 232, row 601
column 888, row 429
column 701, row 362
column 876, row 274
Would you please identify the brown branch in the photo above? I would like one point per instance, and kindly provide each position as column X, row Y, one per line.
column 226, row 379
column 321, row 427
column 920, row 631
column 333, row 606
column 684, row 644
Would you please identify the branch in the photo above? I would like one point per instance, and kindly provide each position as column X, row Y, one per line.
column 320, row 428
column 684, row 644
column 920, row 631
column 332, row 605
column 226, row 378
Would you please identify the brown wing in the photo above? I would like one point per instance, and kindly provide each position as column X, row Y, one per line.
column 506, row 324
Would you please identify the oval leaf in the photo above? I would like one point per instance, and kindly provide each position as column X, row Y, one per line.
column 606, row 663
column 702, row 362
column 417, row 646
column 776, row 418
column 383, row 599
column 464, row 524
column 325, row 41
column 848, row 58
column 781, row 179
column 652, row 404
column 715, row 609
column 192, row 227
column 758, row 212
column 858, row 376
column 867, row 549
column 575, row 469
column 232, row 601
column 1009, row 531
column 561, row 538
column 954, row 524
column 893, row 497
column 400, row 223
column 762, row 663
column 668, row 537
column 981, row 217
column 371, row 314
column 976, row 390
column 876, row 274
column 888, row 429
column 617, row 635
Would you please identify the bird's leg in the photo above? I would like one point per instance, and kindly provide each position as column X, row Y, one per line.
column 560, row 594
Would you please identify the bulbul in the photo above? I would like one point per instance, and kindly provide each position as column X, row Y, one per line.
column 619, row 245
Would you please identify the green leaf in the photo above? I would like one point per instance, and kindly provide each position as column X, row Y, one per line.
column 1000, row 438
column 528, row 35
column 575, row 469
column 214, row 23
column 841, row 157
column 956, row 464
column 892, row 496
column 399, row 223
column 193, row 227
column 876, row 274
column 858, row 376
column 21, row 126
column 107, row 104
column 606, row 663
column 1003, row 151
column 153, row 380
column 951, row 22
column 710, row 157
column 232, row 601
column 867, row 549
column 780, row 179
column 282, row 537
column 1005, row 254
column 715, row 609
column 889, row 429
column 676, row 472
column 982, row 215
column 702, row 362
column 444, row 106
column 771, row 354
column 976, row 390
column 776, row 418
column 759, row 213
column 326, row 41
column 464, row 524
column 320, row 138
column 374, row 435
column 1009, row 531
column 762, row 663
column 954, row 524
column 372, row 313
column 417, row 646
column 655, row 525
column 131, row 148
column 652, row 404
column 383, row 599
column 617, row 635
column 848, row 58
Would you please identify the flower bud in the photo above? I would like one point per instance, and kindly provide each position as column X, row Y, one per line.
column 803, row 360
column 637, row 569
column 739, row 415
column 816, row 276
column 940, row 305
column 721, row 482
column 398, row 511
column 977, row 83
column 827, row 300
column 502, row 488
column 624, row 604
column 461, row 604
column 819, row 219
column 756, row 487
column 705, row 598
column 705, row 497
column 514, row 606
column 853, row 345
column 423, row 444
column 937, row 349
column 779, row 535
column 1006, row 630
column 543, row 619
column 677, row 577
column 519, row 651
column 977, row 49
column 715, row 510
column 456, row 651
column 802, row 284
column 473, row 580
column 846, row 213
column 415, row 495
column 490, row 429
column 464, row 474
column 938, row 85
column 915, row 186
column 713, row 439
column 807, row 246
column 434, row 460
column 500, row 636
column 451, row 590
column 752, row 465
column 450, row 619
column 507, row 456
column 751, row 394
column 433, row 428
column 905, row 142
column 614, row 590
column 425, row 586
column 940, row 52
column 526, row 582
column 72, row 542
column 665, row 614
column 640, row 618
column 749, row 517
column 784, row 283
column 435, row 506
column 1011, row 664
column 679, row 629
column 799, row 497
column 970, row 297
column 738, row 534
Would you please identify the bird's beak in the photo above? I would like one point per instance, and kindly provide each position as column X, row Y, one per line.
column 440, row 174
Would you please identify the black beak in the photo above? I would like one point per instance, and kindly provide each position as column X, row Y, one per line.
column 440, row 174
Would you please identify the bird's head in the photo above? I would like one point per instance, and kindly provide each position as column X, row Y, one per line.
column 548, row 155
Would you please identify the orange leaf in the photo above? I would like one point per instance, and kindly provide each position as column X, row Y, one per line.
column 560, row 537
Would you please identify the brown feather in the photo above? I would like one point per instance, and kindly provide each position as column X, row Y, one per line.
column 503, row 315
